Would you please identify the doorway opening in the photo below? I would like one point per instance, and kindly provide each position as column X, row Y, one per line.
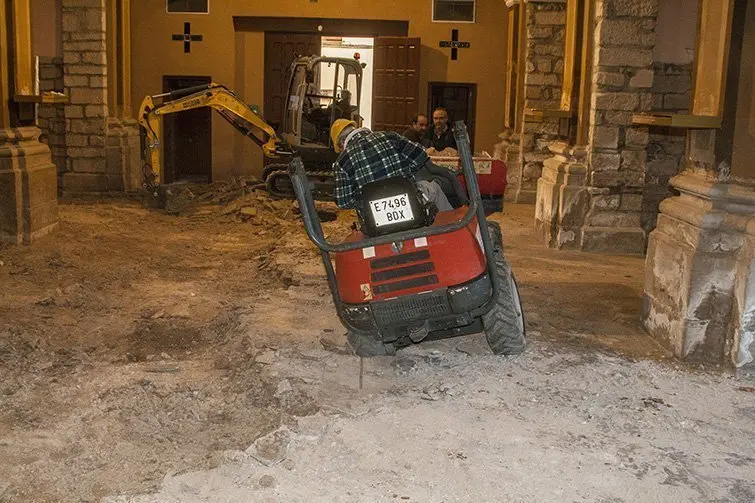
column 459, row 100
column 187, row 154
column 349, row 47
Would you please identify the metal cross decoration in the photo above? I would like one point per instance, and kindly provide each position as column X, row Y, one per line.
column 187, row 38
column 454, row 44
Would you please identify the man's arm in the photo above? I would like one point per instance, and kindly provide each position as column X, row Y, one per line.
column 414, row 153
column 344, row 185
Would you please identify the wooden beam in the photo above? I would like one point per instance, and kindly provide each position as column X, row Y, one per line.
column 677, row 120
column 711, row 57
column 585, row 73
column 21, row 19
column 328, row 27
column 126, row 57
column 4, row 88
column 571, row 48
column 511, row 67
column 111, row 12
column 521, row 67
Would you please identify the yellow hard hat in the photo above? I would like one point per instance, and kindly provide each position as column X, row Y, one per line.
column 337, row 128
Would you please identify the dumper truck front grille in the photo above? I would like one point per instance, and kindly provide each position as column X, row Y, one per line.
column 411, row 308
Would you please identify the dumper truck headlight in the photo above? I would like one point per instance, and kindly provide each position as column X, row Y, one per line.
column 359, row 317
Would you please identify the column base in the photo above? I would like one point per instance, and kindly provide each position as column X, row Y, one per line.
column 28, row 187
column 700, row 275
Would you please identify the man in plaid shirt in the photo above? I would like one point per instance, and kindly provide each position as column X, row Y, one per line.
column 367, row 156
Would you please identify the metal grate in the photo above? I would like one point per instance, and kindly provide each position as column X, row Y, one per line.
column 416, row 307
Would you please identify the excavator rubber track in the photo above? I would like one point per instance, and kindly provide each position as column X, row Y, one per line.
column 279, row 185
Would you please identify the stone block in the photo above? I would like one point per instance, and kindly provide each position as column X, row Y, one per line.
column 96, row 141
column 550, row 18
column 84, row 152
column 642, row 79
column 87, row 126
column 616, row 101
column 539, row 31
column 611, row 79
column 74, row 111
column 84, row 3
column 633, row 160
column 94, row 58
column 87, row 96
column 636, row 136
column 98, row 81
column 617, row 118
column 95, row 111
column 77, row 140
column 605, row 161
column 607, row 202
column 84, row 182
column 86, row 70
column 86, row 36
column 549, row 50
column 617, row 178
column 624, row 32
column 558, row 68
column 541, row 79
column 635, row 8
column 613, row 219
column 631, row 202
column 90, row 45
column 75, row 81
column 544, row 65
column 89, row 164
column 622, row 240
column 624, row 57
column 605, row 137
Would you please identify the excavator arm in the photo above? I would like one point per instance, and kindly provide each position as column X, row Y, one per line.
column 219, row 98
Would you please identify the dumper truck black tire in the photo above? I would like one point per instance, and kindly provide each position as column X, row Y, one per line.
column 504, row 323
column 369, row 344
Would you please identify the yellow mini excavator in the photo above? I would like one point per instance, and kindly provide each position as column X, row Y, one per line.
column 321, row 90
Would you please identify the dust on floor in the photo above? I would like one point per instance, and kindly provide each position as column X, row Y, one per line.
column 197, row 357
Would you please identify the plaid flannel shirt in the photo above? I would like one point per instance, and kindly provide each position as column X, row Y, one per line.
column 371, row 156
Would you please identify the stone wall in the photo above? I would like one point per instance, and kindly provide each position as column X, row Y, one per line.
column 51, row 117
column 543, row 80
column 622, row 82
column 666, row 148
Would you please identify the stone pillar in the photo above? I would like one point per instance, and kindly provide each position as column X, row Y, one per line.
column 28, row 187
column 85, row 81
column 700, row 272
column 622, row 78
column 544, row 61
column 562, row 200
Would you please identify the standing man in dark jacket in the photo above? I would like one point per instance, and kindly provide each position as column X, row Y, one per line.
column 439, row 135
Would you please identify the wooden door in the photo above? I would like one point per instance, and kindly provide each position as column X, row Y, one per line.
column 187, row 137
column 459, row 100
column 280, row 51
column 395, row 85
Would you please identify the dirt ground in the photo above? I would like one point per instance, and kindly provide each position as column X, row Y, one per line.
column 192, row 357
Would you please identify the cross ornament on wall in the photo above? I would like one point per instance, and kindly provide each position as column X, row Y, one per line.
column 187, row 38
column 454, row 44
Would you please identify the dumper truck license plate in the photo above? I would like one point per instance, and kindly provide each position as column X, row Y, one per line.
column 391, row 210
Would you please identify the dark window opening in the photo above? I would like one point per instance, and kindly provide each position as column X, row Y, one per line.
column 454, row 10
column 201, row 6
